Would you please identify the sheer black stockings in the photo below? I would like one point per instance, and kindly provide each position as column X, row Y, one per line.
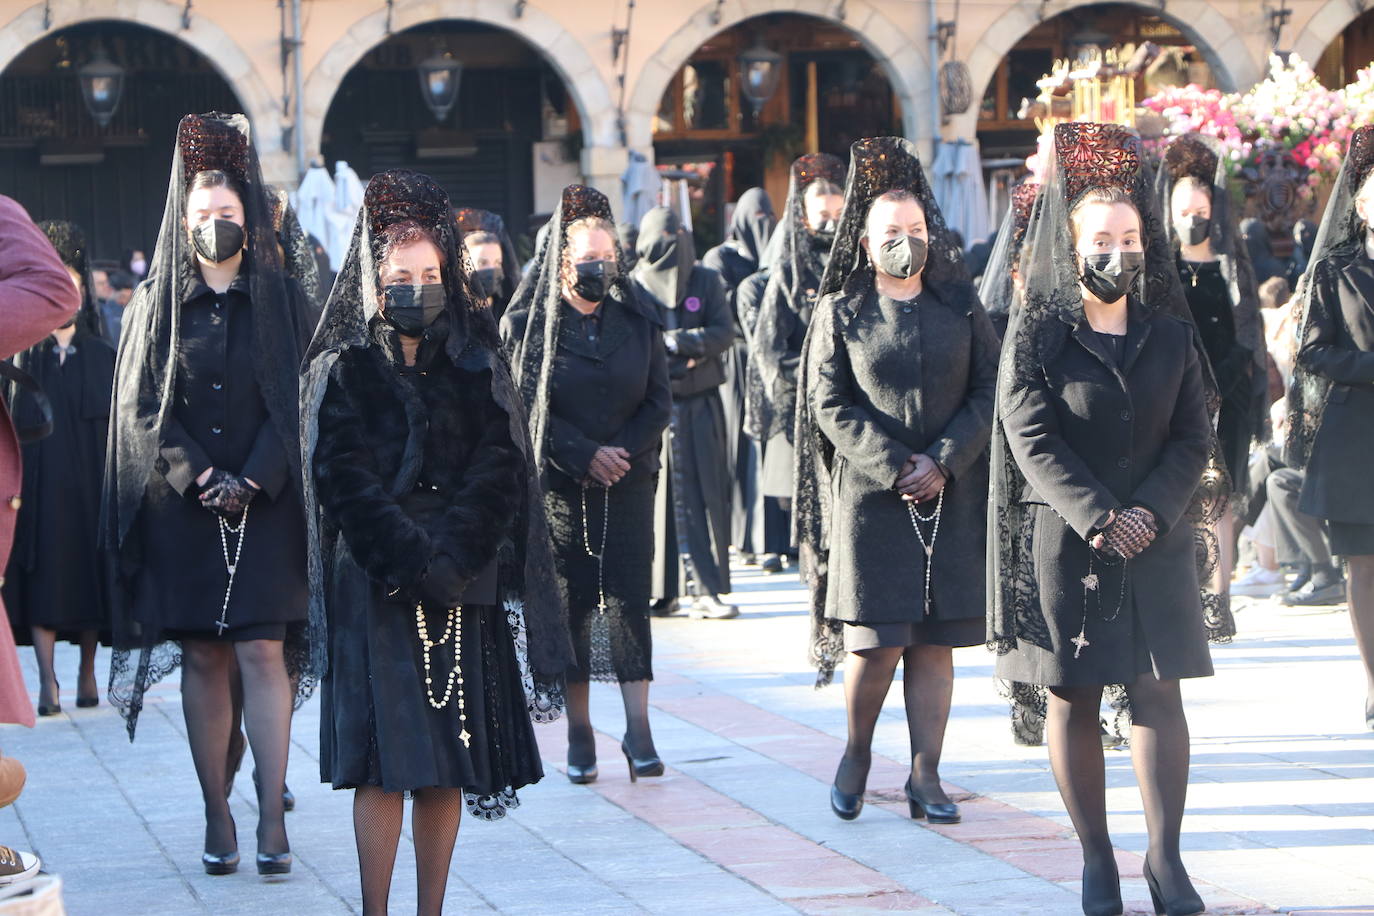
column 207, row 705
column 927, row 686
column 44, row 644
column 639, row 736
column 377, row 816
column 1360, row 585
column 1159, row 752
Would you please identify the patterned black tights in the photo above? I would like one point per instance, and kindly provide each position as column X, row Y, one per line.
column 377, row 817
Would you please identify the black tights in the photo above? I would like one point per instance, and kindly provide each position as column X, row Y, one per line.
column 1159, row 752
column 434, row 818
column 581, row 739
column 928, row 687
column 207, row 705
column 44, row 643
column 1361, row 596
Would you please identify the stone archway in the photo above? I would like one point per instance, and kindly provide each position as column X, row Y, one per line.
column 1323, row 27
column 260, row 105
column 564, row 53
column 902, row 56
column 1212, row 33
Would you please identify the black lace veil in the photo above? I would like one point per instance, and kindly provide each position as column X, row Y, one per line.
column 540, row 296
column 1084, row 156
column 877, row 165
column 70, row 243
column 1201, row 157
column 145, row 382
column 530, row 598
column 298, row 253
column 1341, row 232
column 471, row 219
column 997, row 286
column 789, row 257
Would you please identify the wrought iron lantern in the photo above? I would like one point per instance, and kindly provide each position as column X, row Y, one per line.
column 760, row 71
column 102, row 85
column 440, row 75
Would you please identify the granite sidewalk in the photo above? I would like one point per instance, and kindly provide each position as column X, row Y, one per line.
column 1281, row 805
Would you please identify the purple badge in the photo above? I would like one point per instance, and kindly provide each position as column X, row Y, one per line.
column 693, row 304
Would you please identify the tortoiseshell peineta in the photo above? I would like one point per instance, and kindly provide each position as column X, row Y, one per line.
column 806, row 169
column 1096, row 155
column 69, row 242
column 214, row 141
column 399, row 195
column 1192, row 156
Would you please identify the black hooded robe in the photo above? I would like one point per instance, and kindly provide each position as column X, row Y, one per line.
column 693, row 505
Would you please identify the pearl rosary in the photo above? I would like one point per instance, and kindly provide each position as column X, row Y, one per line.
column 453, row 626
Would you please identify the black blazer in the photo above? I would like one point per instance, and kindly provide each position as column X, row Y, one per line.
column 613, row 390
column 1337, row 345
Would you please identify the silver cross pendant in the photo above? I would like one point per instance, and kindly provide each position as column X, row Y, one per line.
column 1080, row 643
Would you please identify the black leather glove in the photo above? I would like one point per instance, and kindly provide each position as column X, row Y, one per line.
column 227, row 495
column 442, row 587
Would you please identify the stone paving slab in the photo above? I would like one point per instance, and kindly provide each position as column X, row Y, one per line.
column 1281, row 814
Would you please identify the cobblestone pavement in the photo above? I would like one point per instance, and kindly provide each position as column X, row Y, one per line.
column 1281, row 804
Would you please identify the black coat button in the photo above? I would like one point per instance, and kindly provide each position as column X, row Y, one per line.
column 216, row 430
column 1123, row 463
column 906, row 309
column 1126, row 415
column 217, row 386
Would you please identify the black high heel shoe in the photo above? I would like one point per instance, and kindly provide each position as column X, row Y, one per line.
column 226, row 864
column 947, row 813
column 1188, row 905
column 845, row 805
column 274, row 863
column 581, row 775
column 52, row 709
column 1102, row 901
column 641, row 766
column 87, row 702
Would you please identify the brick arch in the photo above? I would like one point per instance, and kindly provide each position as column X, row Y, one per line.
column 902, row 56
column 223, row 54
column 565, row 53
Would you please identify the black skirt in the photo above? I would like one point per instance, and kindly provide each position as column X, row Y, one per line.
column 614, row 644
column 1351, row 539
column 378, row 725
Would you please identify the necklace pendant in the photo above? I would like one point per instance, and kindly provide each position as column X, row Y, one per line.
column 1090, row 582
column 1080, row 642
column 1194, row 278
column 220, row 625
column 930, row 548
column 464, row 737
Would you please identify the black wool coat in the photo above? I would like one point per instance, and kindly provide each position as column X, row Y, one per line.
column 1339, row 345
column 407, row 468
column 219, row 419
column 1090, row 437
column 610, row 390
column 900, row 378
column 697, row 331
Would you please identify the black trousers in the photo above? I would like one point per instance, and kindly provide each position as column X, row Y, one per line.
column 1298, row 537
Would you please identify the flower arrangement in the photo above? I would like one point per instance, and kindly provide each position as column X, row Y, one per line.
column 1288, row 118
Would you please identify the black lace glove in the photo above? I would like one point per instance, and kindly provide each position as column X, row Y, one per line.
column 442, row 587
column 227, row 495
column 1130, row 531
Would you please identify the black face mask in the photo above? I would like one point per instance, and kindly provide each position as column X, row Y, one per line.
column 1111, row 275
column 411, row 309
column 217, row 240
column 594, row 279
column 902, row 257
column 1193, row 230
column 823, row 236
column 487, row 281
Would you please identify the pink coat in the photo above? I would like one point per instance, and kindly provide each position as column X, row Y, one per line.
column 36, row 296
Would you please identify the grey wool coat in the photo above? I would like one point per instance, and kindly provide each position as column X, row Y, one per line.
column 1090, row 436
column 892, row 379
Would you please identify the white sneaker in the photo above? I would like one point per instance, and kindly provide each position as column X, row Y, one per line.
column 16, row 865
column 1258, row 582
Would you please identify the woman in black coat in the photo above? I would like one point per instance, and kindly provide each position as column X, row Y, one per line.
column 1331, row 405
column 893, row 424
column 598, row 402
column 692, row 506
column 1104, row 443
column 54, row 587
column 203, row 513
column 433, row 577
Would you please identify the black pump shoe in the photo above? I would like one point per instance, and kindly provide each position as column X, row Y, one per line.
column 947, row 813
column 1102, row 900
column 580, row 775
column 1189, row 904
column 226, row 864
column 641, row 766
column 845, row 805
column 274, row 864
